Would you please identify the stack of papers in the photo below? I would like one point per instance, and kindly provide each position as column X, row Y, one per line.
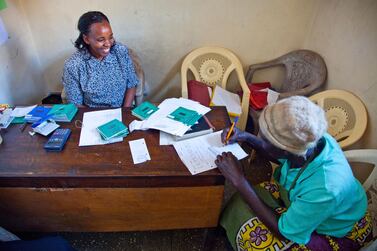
column 63, row 112
column 113, row 129
column 160, row 120
column 199, row 154
column 144, row 110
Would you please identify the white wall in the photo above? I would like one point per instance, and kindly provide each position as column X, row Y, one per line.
column 344, row 32
column 20, row 72
column 163, row 31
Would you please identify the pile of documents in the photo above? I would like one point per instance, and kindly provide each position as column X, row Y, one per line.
column 113, row 129
column 162, row 118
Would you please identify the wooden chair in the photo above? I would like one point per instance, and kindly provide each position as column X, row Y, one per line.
column 346, row 115
column 140, row 89
column 213, row 65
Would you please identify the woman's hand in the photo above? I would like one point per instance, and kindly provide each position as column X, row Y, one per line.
column 236, row 136
column 230, row 167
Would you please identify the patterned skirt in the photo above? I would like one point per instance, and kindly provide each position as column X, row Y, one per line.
column 246, row 232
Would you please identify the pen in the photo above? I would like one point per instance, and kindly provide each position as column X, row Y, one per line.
column 231, row 129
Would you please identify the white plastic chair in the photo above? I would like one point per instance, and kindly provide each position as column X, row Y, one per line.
column 364, row 156
column 213, row 65
column 346, row 115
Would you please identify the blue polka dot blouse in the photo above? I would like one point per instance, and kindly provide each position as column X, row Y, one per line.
column 99, row 83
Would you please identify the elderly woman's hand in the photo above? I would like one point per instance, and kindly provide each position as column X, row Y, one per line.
column 230, row 167
column 236, row 136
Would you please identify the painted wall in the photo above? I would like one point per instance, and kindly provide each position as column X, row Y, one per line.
column 344, row 32
column 163, row 31
column 20, row 73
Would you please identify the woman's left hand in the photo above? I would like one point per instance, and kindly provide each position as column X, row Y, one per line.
column 230, row 167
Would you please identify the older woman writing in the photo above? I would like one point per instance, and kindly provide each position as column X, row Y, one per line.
column 313, row 203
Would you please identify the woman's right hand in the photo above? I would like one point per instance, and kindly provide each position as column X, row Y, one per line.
column 236, row 136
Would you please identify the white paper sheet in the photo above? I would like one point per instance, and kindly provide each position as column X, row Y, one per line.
column 22, row 111
column 139, row 151
column 160, row 121
column 166, row 139
column 230, row 100
column 89, row 135
column 199, row 154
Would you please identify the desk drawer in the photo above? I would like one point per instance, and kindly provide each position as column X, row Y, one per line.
column 109, row 209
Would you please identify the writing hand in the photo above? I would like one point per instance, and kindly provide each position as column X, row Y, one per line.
column 230, row 167
column 236, row 136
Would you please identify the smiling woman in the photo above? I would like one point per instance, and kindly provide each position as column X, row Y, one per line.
column 101, row 72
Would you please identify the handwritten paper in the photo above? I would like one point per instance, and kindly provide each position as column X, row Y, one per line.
column 139, row 151
column 199, row 153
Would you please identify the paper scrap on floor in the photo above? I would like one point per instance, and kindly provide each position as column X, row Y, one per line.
column 89, row 135
column 139, row 151
column 160, row 121
column 199, row 154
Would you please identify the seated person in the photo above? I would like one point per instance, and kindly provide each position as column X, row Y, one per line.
column 314, row 201
column 101, row 72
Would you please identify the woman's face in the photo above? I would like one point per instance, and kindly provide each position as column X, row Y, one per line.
column 100, row 39
column 272, row 150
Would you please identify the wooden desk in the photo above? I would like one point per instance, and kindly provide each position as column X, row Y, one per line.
column 98, row 188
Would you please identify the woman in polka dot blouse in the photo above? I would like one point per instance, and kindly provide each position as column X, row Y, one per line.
column 101, row 72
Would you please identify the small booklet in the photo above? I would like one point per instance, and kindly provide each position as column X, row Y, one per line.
column 37, row 114
column 144, row 110
column 200, row 128
column 46, row 127
column 185, row 116
column 113, row 129
column 63, row 112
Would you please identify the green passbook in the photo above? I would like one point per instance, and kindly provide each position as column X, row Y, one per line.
column 113, row 129
column 63, row 112
column 185, row 116
column 144, row 110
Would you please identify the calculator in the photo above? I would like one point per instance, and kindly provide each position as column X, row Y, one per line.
column 57, row 140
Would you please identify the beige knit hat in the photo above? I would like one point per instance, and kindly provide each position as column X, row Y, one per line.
column 294, row 124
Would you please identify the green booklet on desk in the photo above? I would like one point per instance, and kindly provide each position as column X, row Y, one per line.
column 113, row 129
column 63, row 112
column 144, row 110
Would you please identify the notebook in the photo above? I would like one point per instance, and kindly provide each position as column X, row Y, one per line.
column 144, row 110
column 113, row 129
column 37, row 114
column 63, row 112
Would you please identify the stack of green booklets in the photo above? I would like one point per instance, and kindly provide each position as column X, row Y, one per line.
column 63, row 112
column 113, row 129
column 144, row 110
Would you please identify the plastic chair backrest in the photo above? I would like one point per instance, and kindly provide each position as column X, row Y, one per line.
column 364, row 156
column 213, row 65
column 346, row 115
column 140, row 89
column 305, row 72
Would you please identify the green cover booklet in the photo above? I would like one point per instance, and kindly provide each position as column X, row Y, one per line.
column 144, row 110
column 113, row 129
